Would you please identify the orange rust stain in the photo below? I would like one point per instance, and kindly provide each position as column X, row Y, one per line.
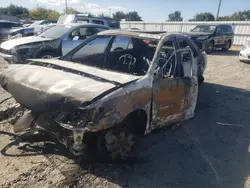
column 170, row 97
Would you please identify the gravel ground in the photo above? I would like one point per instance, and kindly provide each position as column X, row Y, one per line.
column 211, row 150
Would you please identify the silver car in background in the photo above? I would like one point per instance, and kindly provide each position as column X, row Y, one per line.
column 54, row 42
column 244, row 55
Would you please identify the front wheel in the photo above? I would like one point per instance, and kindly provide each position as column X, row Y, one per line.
column 210, row 47
column 116, row 143
column 46, row 55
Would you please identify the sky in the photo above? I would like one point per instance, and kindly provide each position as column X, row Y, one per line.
column 149, row 10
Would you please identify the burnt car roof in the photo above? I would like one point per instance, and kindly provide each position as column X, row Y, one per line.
column 157, row 35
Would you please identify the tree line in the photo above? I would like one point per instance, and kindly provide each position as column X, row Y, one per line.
column 207, row 16
column 42, row 13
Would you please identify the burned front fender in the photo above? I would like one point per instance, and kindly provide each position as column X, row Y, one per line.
column 111, row 109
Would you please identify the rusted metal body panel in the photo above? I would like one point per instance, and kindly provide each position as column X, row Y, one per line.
column 174, row 99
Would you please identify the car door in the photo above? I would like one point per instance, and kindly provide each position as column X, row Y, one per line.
column 218, row 39
column 174, row 96
column 76, row 37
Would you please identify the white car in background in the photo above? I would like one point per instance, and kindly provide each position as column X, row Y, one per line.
column 245, row 52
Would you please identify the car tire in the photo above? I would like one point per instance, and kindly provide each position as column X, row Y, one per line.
column 46, row 55
column 200, row 79
column 227, row 46
column 116, row 143
column 210, row 47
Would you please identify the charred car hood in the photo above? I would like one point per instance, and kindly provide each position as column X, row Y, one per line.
column 7, row 45
column 46, row 89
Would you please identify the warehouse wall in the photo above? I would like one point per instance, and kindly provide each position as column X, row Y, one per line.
column 241, row 28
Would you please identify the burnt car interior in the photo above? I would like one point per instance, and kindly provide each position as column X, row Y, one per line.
column 118, row 53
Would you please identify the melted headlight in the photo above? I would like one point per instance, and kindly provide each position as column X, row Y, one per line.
column 81, row 117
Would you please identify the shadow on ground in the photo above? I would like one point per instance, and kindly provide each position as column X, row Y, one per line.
column 211, row 150
column 228, row 53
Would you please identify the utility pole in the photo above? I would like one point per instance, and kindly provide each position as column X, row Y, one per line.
column 218, row 11
column 110, row 12
column 66, row 7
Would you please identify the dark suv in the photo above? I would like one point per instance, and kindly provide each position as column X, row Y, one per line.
column 210, row 37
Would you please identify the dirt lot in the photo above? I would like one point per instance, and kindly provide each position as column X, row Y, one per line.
column 211, row 150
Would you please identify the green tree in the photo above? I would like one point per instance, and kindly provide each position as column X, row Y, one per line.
column 39, row 13
column 205, row 16
column 53, row 15
column 13, row 10
column 224, row 18
column 241, row 15
column 133, row 16
column 175, row 16
column 70, row 10
column 103, row 16
column 119, row 15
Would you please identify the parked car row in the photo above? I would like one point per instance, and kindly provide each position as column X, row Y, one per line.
column 112, row 86
column 53, row 42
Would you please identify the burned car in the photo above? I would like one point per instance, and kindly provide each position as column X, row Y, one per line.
column 121, row 83
column 55, row 41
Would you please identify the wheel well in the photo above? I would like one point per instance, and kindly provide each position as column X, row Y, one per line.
column 137, row 121
column 211, row 41
column 46, row 51
column 229, row 40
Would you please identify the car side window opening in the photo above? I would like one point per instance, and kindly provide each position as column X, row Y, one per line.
column 218, row 30
column 167, row 60
column 121, row 43
column 91, row 52
column 186, row 57
column 131, row 55
column 98, row 22
column 81, row 34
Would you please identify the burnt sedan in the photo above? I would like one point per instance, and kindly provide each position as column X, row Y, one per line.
column 54, row 42
column 121, row 83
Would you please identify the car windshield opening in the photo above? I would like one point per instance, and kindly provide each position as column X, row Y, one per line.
column 125, row 54
column 55, row 32
column 204, row 28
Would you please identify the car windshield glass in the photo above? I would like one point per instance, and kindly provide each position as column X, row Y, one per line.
column 125, row 54
column 204, row 28
column 56, row 31
column 36, row 23
column 65, row 19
